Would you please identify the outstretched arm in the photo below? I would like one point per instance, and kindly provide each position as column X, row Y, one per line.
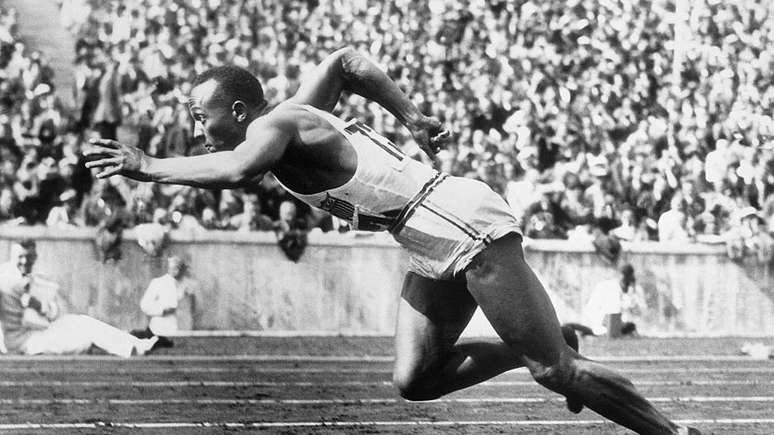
column 346, row 69
column 264, row 145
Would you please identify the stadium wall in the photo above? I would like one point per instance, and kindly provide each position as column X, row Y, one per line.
column 350, row 284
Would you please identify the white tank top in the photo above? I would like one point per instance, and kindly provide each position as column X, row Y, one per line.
column 384, row 183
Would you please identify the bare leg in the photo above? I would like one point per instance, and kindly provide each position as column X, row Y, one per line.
column 519, row 309
column 429, row 363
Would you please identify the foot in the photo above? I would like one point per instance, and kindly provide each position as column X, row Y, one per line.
column 687, row 430
column 143, row 346
column 571, row 338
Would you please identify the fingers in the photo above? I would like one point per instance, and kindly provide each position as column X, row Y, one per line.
column 109, row 172
column 102, row 163
column 443, row 136
column 439, row 141
column 105, row 143
column 102, row 149
column 110, row 166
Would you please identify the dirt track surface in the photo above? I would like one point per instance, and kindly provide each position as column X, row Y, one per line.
column 342, row 385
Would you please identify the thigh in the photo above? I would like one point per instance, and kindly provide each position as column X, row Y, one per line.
column 515, row 302
column 431, row 316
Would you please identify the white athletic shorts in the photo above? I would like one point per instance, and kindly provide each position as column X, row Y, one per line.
column 452, row 223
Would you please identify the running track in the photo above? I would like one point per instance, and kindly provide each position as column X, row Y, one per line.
column 342, row 385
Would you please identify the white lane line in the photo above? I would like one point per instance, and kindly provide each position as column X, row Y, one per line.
column 257, row 370
column 355, row 424
column 342, row 359
column 333, row 384
column 352, row 402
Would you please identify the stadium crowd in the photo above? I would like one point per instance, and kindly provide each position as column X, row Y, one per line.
column 586, row 115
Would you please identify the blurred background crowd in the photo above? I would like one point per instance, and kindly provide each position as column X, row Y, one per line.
column 644, row 120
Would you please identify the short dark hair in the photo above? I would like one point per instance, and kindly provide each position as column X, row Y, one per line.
column 28, row 244
column 627, row 270
column 234, row 83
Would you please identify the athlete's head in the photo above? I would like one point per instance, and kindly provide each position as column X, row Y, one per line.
column 223, row 102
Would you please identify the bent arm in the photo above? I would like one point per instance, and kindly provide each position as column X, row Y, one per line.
column 346, row 69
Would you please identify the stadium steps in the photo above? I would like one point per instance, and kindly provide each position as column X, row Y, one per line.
column 41, row 28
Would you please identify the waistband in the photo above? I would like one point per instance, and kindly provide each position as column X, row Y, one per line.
column 410, row 208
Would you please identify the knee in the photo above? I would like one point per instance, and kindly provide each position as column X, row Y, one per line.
column 414, row 385
column 558, row 376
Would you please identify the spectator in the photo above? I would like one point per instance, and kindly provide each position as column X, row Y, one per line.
column 531, row 98
column 251, row 218
column 32, row 318
column 613, row 303
column 153, row 236
column 291, row 231
column 707, row 230
column 629, row 228
column 163, row 302
column 748, row 236
column 64, row 215
column 672, row 225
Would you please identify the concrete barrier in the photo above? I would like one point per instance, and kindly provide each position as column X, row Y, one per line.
column 350, row 284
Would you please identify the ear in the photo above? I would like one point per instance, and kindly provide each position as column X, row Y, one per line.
column 239, row 110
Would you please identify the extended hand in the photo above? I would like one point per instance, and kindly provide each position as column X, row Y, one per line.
column 430, row 134
column 115, row 158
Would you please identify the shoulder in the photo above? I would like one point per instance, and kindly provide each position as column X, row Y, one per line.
column 288, row 118
column 285, row 118
column 284, row 112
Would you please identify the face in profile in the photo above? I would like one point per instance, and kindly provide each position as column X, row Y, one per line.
column 218, row 125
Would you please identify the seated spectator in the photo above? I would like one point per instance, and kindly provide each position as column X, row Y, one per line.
column 288, row 218
column 209, row 219
column 65, row 214
column 162, row 303
column 251, row 218
column 748, row 237
column 672, row 225
column 229, row 206
column 9, row 208
column 32, row 318
column 629, row 229
column 707, row 230
column 541, row 219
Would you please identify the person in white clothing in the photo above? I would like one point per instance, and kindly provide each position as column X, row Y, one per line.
column 610, row 303
column 32, row 318
column 161, row 301
column 64, row 215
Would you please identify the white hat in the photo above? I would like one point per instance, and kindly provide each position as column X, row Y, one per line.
column 67, row 195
